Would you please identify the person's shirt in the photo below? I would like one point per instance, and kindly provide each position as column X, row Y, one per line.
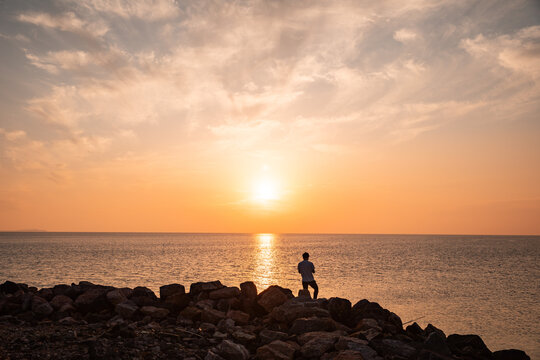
column 306, row 268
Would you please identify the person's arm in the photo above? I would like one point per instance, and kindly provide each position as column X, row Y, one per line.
column 299, row 268
column 313, row 266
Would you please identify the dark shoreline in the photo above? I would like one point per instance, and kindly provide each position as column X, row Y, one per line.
column 213, row 322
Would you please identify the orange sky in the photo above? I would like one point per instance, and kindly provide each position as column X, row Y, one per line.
column 344, row 117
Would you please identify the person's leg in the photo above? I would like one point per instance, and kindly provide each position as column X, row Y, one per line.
column 305, row 285
column 315, row 289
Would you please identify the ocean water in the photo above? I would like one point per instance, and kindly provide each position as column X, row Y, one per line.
column 485, row 285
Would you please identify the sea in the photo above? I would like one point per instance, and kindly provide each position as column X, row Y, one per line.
column 462, row 284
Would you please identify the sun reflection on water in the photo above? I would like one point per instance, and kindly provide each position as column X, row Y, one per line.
column 264, row 274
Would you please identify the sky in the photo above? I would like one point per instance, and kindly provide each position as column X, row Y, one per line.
column 386, row 116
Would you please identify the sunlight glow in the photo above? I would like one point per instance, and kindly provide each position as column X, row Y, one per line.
column 265, row 190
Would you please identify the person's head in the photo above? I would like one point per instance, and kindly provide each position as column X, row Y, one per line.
column 305, row 256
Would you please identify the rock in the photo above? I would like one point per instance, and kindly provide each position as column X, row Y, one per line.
column 212, row 316
column 395, row 347
column 199, row 287
column 430, row 328
column 371, row 334
column 154, row 312
column 177, row 302
column 212, row 356
column 224, row 293
column 304, row 325
column 304, row 293
column 116, row 296
column 307, row 337
column 351, row 343
column 143, row 296
column 435, row 342
column 227, row 304
column 415, row 332
column 68, row 320
column 190, row 312
column 365, row 309
column 126, row 309
column 350, row 355
column 9, row 287
column 238, row 316
column 43, row 309
column 292, row 310
column 273, row 296
column 46, row 293
column 243, row 336
column 510, row 354
column 468, row 345
column 60, row 289
column 340, row 309
column 248, row 290
column 232, row 351
column 92, row 300
column 317, row 346
column 66, row 309
column 276, row 350
column 367, row 323
column 59, row 301
column 73, row 291
column 167, row 290
column 267, row 336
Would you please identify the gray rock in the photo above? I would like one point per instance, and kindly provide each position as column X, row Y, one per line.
column 350, row 343
column 43, row 309
column 212, row 356
column 68, row 320
column 292, row 310
column 307, row 337
column 468, row 345
column 243, row 336
column 232, row 351
column 190, row 312
column 92, row 300
column 276, row 350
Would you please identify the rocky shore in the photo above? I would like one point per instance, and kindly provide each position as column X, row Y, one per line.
column 214, row 322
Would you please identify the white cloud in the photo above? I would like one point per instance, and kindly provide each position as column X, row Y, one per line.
column 67, row 21
column 405, row 35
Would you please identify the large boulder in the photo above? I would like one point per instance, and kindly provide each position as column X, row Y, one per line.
column 292, row 310
column 126, row 309
column 232, row 351
column 437, row 343
column 510, row 354
column 239, row 317
column 272, row 297
column 365, row 309
column 167, row 290
column 317, row 346
column 393, row 347
column 248, row 290
column 340, row 310
column 212, row 316
column 116, row 296
column 60, row 289
column 276, row 350
column 199, row 287
column 191, row 313
column 468, row 345
column 59, row 301
column 224, row 293
column 177, row 302
column 9, row 287
column 92, row 300
column 154, row 312
column 42, row 309
column 307, row 337
column 304, row 325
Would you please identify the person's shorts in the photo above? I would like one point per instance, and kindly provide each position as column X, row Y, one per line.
column 313, row 284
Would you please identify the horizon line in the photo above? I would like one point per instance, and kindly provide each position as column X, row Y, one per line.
column 250, row 233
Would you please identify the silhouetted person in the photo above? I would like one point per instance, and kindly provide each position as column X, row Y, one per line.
column 306, row 268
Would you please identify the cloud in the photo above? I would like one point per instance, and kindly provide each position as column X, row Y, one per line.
column 144, row 9
column 405, row 35
column 67, row 21
column 13, row 135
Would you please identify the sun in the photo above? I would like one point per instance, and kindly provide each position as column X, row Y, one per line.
column 265, row 190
